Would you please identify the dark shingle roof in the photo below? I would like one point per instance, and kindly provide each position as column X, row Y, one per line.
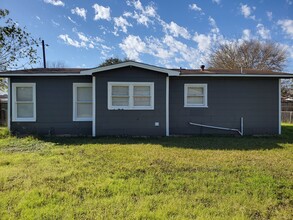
column 228, row 72
column 183, row 72
column 45, row 70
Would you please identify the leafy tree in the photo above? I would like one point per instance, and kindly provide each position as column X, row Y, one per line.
column 113, row 60
column 251, row 54
column 17, row 47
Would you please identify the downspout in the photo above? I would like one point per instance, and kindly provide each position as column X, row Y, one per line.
column 9, row 105
column 94, row 106
column 167, row 106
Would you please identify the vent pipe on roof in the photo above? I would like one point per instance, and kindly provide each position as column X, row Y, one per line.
column 202, row 67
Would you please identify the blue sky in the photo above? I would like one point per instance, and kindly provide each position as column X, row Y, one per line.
column 178, row 33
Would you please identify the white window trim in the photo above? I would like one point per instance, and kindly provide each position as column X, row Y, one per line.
column 131, row 105
column 205, row 90
column 14, row 104
column 74, row 103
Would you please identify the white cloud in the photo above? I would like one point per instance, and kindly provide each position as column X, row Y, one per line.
column 189, row 54
column 137, row 4
column 55, row 2
column 70, row 19
column 157, row 49
column 143, row 15
column 270, row 15
column 168, row 51
column 101, row 12
column 195, row 7
column 176, row 30
column 150, row 11
column 142, row 19
column 246, row 34
column 55, row 23
column 288, row 49
column 98, row 39
column 287, row 26
column 133, row 46
column 82, row 37
column 37, row 17
column 217, row 1
column 83, row 41
column 214, row 26
column 263, row 32
column 80, row 12
column 127, row 14
column 289, row 2
column 69, row 41
column 246, row 11
column 122, row 23
column 204, row 41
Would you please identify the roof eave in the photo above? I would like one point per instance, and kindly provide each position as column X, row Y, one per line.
column 240, row 75
column 39, row 74
column 130, row 64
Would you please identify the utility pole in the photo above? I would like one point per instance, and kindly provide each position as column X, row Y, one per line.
column 44, row 53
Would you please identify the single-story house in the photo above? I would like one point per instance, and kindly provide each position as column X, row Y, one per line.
column 137, row 99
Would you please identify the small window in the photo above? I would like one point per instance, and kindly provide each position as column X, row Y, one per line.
column 82, row 101
column 195, row 95
column 24, row 102
column 131, row 96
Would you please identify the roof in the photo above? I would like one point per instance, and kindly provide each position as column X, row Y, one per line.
column 169, row 72
column 43, row 72
column 233, row 73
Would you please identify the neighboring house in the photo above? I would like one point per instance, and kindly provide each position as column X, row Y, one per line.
column 3, row 109
column 137, row 99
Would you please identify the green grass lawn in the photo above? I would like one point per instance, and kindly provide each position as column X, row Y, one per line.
column 147, row 178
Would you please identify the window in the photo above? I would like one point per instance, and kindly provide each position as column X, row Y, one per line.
column 24, row 102
column 82, row 101
column 130, row 96
column 195, row 95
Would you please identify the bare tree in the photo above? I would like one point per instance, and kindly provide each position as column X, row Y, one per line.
column 251, row 54
column 55, row 64
column 286, row 86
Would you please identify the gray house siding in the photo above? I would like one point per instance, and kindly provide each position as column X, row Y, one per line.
column 130, row 122
column 229, row 99
column 54, row 107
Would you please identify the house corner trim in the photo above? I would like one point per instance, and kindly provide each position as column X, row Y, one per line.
column 9, row 105
column 94, row 106
column 167, row 106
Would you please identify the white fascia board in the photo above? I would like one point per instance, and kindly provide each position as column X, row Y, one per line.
column 238, row 75
column 134, row 64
